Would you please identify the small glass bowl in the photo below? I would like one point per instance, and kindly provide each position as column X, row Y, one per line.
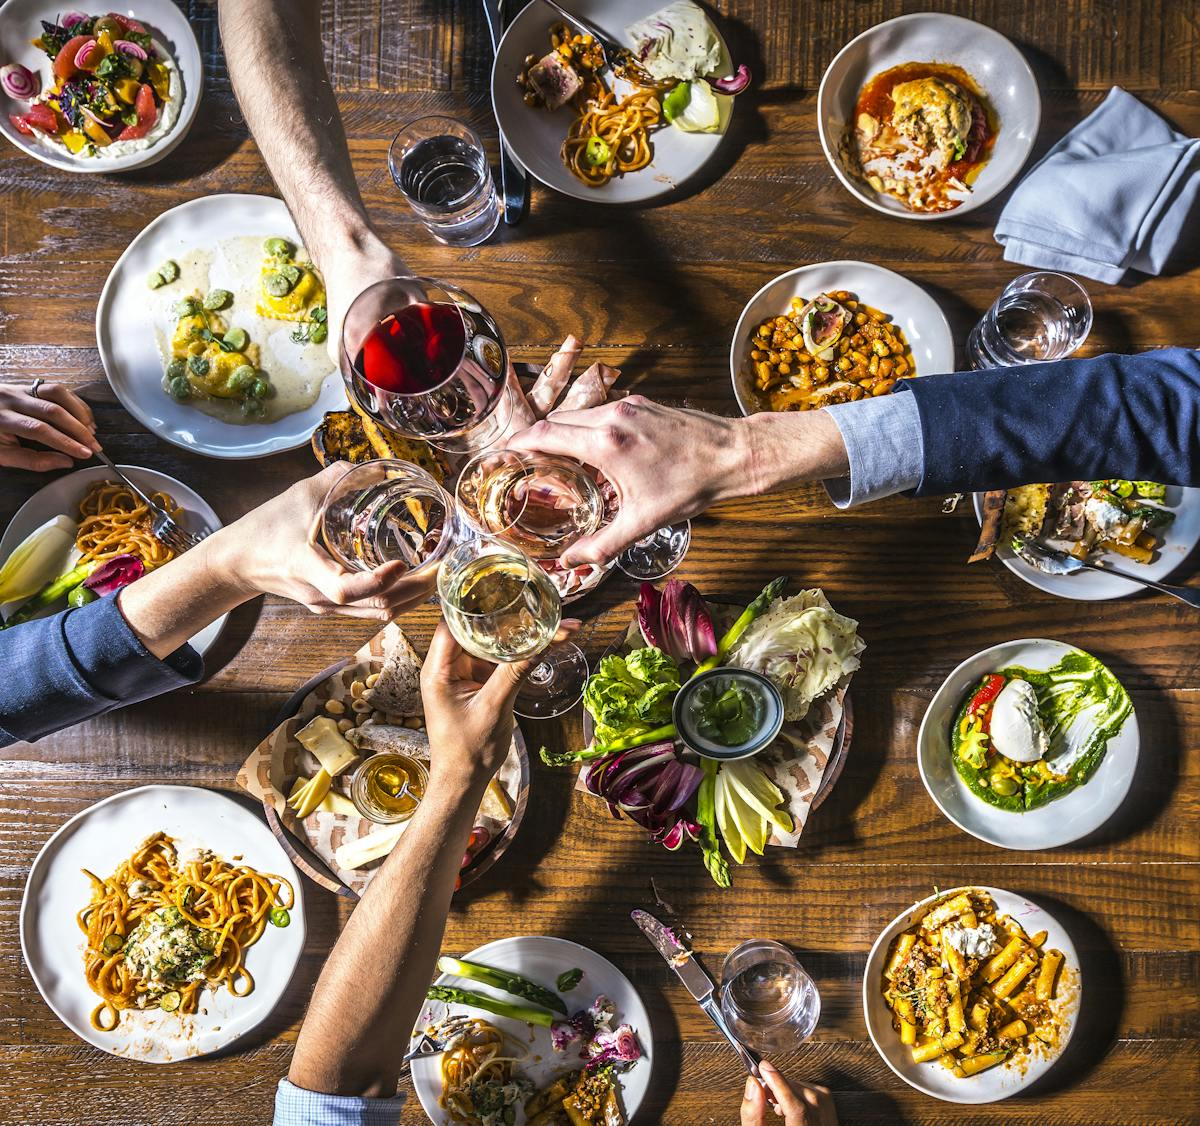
column 364, row 801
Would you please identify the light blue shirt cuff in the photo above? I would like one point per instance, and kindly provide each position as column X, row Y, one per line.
column 885, row 448
column 295, row 1106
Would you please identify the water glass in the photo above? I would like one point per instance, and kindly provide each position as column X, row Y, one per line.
column 1039, row 316
column 767, row 999
column 385, row 511
column 441, row 168
column 655, row 556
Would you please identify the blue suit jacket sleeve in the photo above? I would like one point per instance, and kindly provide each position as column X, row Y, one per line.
column 1134, row 417
column 61, row 670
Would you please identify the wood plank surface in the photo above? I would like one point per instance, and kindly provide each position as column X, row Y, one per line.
column 657, row 291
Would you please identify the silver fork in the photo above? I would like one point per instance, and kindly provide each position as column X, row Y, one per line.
column 446, row 1031
column 163, row 525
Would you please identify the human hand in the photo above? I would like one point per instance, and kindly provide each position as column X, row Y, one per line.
column 811, row 1106
column 588, row 390
column 56, row 418
column 469, row 706
column 348, row 270
column 274, row 550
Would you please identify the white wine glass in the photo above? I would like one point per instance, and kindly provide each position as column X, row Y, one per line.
column 501, row 606
column 540, row 503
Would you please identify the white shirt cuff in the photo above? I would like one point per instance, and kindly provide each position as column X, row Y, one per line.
column 884, row 445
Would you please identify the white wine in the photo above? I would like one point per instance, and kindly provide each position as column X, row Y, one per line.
column 499, row 606
column 538, row 503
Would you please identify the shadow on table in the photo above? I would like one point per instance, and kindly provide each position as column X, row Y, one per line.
column 1101, row 1004
column 241, row 624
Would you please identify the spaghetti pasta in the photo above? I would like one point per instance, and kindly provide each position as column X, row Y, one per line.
column 610, row 138
column 475, row 1060
column 157, row 931
column 114, row 520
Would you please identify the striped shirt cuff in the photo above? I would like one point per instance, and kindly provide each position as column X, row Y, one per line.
column 884, row 445
column 295, row 1106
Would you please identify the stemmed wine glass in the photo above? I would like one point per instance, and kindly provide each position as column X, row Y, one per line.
column 426, row 360
column 655, row 556
column 501, row 606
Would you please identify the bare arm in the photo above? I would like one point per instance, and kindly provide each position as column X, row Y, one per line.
column 372, row 988
column 277, row 65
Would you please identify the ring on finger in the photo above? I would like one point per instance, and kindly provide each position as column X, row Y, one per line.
column 35, row 386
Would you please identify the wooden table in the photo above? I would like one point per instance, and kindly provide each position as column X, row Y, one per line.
column 657, row 292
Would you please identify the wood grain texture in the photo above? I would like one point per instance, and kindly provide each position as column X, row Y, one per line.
column 657, row 292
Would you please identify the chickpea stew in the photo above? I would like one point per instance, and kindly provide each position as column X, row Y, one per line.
column 833, row 349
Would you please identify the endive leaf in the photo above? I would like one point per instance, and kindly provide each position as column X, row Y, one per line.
column 41, row 555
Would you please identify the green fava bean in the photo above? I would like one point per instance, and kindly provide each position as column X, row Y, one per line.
column 169, row 270
column 237, row 339
column 278, row 247
column 176, row 368
column 180, row 388
column 319, row 334
column 243, row 378
column 156, row 280
column 198, row 365
column 217, row 299
column 81, row 596
column 261, row 388
column 278, row 284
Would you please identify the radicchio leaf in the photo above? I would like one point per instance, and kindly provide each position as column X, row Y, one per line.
column 115, row 573
column 649, row 611
column 734, row 83
column 687, row 625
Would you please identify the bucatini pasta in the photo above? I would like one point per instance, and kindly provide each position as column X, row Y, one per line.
column 968, row 987
column 114, row 520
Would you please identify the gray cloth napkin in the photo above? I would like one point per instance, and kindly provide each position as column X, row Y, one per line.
column 1117, row 193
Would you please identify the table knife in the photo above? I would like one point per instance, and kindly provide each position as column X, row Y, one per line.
column 514, row 183
column 680, row 958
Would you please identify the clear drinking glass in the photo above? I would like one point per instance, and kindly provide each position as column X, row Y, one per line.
column 501, row 606
column 426, row 360
column 655, row 556
column 540, row 503
column 768, row 1000
column 389, row 510
column 1039, row 316
column 441, row 168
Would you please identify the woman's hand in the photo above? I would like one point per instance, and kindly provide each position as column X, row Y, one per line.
column 809, row 1106
column 274, row 550
column 56, row 418
column 469, row 707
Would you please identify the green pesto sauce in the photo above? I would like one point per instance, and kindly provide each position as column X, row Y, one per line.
column 1076, row 683
column 727, row 712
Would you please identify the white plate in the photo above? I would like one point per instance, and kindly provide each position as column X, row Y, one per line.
column 535, row 136
column 62, row 496
column 129, row 351
column 1056, row 823
column 1179, row 540
column 997, row 66
column 101, row 837
column 908, row 305
column 997, row 1082
column 20, row 22
column 542, row 959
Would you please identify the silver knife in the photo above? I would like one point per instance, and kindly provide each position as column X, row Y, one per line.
column 514, row 183
column 681, row 959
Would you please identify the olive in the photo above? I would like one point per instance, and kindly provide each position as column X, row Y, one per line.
column 107, row 23
column 1003, row 785
column 217, row 299
column 81, row 596
column 319, row 334
column 236, row 338
column 180, row 388
column 242, row 378
column 278, row 247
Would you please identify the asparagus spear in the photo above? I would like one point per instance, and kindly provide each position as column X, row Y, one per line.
column 510, row 982
column 51, row 593
column 453, row 996
column 733, row 635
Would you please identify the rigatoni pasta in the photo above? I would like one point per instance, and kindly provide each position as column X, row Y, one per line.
column 970, row 988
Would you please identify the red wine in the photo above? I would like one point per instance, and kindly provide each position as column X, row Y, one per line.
column 414, row 349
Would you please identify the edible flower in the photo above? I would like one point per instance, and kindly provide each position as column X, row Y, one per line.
column 115, row 573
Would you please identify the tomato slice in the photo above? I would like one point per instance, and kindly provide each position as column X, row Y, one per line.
column 147, row 115
column 64, row 61
column 40, row 117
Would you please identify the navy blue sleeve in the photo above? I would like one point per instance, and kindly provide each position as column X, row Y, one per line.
column 1134, row 417
column 61, row 670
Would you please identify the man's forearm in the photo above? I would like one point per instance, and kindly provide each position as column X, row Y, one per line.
column 373, row 987
column 277, row 65
column 788, row 448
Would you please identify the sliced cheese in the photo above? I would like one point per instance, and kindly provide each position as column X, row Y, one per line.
column 332, row 749
column 374, row 846
column 333, row 802
column 307, row 796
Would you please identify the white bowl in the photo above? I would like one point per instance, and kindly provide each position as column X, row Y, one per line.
column 909, row 306
column 20, row 22
column 996, row 65
column 998, row 1082
column 535, row 137
column 1059, row 822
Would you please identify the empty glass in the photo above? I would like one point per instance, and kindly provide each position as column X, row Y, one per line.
column 1039, row 316
column 426, row 360
column 655, row 556
column 385, row 511
column 441, row 168
column 767, row 999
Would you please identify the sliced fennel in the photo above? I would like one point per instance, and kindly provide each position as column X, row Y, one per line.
column 693, row 107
